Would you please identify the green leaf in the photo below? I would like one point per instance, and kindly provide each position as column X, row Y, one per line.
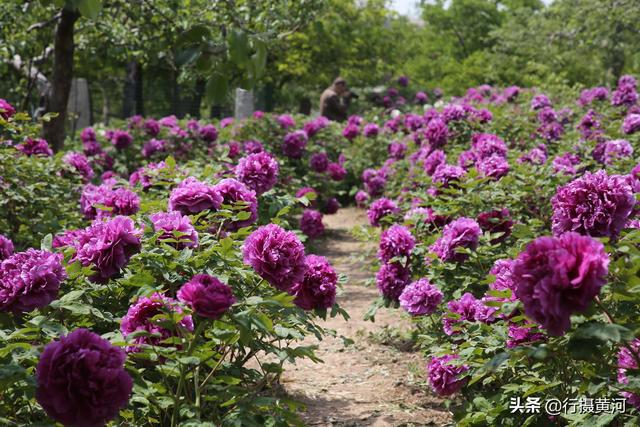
column 47, row 242
column 238, row 46
column 587, row 341
column 216, row 88
column 90, row 8
column 497, row 360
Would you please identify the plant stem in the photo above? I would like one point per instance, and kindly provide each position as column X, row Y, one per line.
column 190, row 349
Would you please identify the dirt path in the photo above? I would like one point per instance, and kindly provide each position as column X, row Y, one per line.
column 367, row 383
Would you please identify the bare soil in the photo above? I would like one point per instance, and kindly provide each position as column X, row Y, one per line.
column 379, row 380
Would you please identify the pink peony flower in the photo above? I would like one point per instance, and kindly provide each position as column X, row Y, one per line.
column 558, row 276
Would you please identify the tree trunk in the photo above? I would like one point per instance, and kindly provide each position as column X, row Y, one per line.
column 194, row 108
column 106, row 108
column 175, row 95
column 53, row 131
column 133, row 100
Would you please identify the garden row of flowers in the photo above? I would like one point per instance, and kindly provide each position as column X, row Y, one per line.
column 156, row 272
column 508, row 230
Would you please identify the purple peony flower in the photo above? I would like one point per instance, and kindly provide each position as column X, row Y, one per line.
column 596, row 204
column 444, row 376
column 403, row 81
column 483, row 115
column 294, row 144
column 493, row 167
column 421, row 98
column 91, row 148
column 487, row 145
column 258, row 171
column 119, row 201
column 88, row 135
column 391, row 280
column 397, row 150
column 463, row 233
column 453, row 113
column 6, row 247
column 312, row 127
column 80, row 163
column 589, row 125
column 331, row 206
column 311, row 223
column 227, row 121
column 433, row 160
column 469, row 309
column 522, row 335
column 631, row 124
column 252, row 146
column 233, row 148
column 107, row 247
column 511, row 93
column 318, row 288
column 30, row 280
column 587, row 96
column 153, row 146
column 467, row 159
column 6, row 109
column 82, row 380
column 286, row 121
column 551, row 131
column 152, row 127
column 234, row 192
column 381, row 208
column 503, row 271
column 374, row 182
column 396, row 241
column 351, row 131
column 436, row 133
column 540, row 101
column 361, row 198
column 535, row 156
column 121, row 139
column 371, row 130
column 175, row 226
column 547, row 115
column 208, row 133
column 207, row 296
column 558, row 276
column 66, row 238
column 337, row 172
column 627, row 359
column 140, row 317
column 319, row 162
column 276, row 255
column 35, row 147
column 420, row 298
column 566, row 163
column 610, row 151
column 446, row 174
column 134, row 122
column 624, row 95
column 192, row 196
column 169, row 121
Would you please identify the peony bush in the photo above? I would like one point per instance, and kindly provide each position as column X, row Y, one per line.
column 508, row 232
column 157, row 273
